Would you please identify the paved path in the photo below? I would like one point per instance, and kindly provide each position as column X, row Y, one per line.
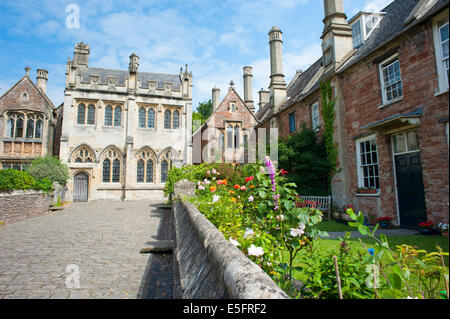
column 387, row 232
column 102, row 239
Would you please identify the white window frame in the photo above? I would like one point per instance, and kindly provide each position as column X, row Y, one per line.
column 361, row 34
column 315, row 117
column 359, row 171
column 362, row 28
column 440, row 21
column 383, row 65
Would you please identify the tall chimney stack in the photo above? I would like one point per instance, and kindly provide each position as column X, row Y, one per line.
column 277, row 82
column 264, row 98
column 81, row 55
column 248, row 90
column 41, row 80
column 215, row 97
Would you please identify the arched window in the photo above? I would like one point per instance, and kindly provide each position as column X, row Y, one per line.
column 176, row 119
column 106, row 170
column 19, row 125
column 236, row 137
column 111, row 156
column 91, row 115
column 81, row 114
column 145, row 164
column 30, row 126
column 38, row 131
column 221, row 141
column 11, row 124
column 141, row 117
column 229, row 136
column 246, row 141
column 83, row 154
column 151, row 118
column 108, row 115
column 164, row 171
column 118, row 116
column 167, row 117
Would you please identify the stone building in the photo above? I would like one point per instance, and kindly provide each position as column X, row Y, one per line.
column 389, row 73
column 123, row 129
column 226, row 134
column 28, row 121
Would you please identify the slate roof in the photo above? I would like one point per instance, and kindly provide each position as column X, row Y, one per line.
column 399, row 16
column 121, row 76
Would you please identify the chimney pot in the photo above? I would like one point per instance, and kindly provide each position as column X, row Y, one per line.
column 41, row 80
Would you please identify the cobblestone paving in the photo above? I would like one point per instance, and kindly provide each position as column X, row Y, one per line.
column 102, row 239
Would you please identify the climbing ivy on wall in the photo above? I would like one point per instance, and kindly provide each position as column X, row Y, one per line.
column 328, row 115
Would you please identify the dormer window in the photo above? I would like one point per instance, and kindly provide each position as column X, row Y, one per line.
column 363, row 25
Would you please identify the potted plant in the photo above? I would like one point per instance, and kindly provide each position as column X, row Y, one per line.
column 426, row 228
column 384, row 222
column 443, row 228
column 367, row 190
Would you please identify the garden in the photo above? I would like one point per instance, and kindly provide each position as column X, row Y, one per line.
column 259, row 210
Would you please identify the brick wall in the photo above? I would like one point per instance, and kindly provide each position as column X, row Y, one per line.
column 19, row 205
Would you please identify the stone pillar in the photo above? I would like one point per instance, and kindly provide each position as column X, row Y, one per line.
column 215, row 97
column 183, row 188
column 277, row 87
column 248, row 90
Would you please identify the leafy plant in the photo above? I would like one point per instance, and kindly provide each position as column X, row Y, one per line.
column 18, row 180
column 49, row 167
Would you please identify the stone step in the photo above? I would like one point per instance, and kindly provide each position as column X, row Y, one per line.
column 160, row 246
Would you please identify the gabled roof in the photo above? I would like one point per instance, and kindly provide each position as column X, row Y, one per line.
column 27, row 77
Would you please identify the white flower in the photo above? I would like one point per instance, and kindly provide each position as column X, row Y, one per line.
column 201, row 188
column 251, row 199
column 255, row 251
column 248, row 233
column 297, row 232
column 234, row 242
column 409, row 297
column 216, row 198
column 198, row 183
column 280, row 217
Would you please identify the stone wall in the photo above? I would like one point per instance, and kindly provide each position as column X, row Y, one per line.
column 207, row 266
column 19, row 205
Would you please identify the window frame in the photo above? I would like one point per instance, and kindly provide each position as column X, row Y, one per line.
column 292, row 123
column 359, row 166
column 443, row 81
column 384, row 65
column 315, row 126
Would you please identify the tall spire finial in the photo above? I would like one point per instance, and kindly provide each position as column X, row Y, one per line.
column 27, row 69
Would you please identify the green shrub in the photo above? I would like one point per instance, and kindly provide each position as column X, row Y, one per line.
column 49, row 167
column 16, row 180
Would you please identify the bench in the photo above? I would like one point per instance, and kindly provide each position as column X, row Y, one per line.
column 323, row 203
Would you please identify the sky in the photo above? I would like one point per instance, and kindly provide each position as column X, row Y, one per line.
column 215, row 38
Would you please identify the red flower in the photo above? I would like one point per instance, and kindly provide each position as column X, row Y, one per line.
column 237, row 186
column 249, row 179
column 283, row 172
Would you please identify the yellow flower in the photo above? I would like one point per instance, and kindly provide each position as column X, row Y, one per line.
column 233, row 199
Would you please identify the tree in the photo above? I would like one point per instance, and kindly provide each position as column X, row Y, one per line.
column 49, row 167
column 205, row 109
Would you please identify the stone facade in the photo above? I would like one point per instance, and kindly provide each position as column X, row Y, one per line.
column 28, row 121
column 19, row 205
column 228, row 132
column 123, row 130
column 392, row 128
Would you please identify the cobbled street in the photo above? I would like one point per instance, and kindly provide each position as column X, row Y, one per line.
column 101, row 239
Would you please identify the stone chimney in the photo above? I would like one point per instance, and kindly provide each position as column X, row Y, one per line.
column 81, row 55
column 41, row 80
column 277, row 82
column 134, row 63
column 248, row 90
column 215, row 97
column 264, row 98
column 337, row 41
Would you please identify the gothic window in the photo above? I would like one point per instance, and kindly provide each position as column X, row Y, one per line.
column 236, row 137
column 11, row 124
column 221, row 141
column 151, row 118
column 111, row 175
column 229, row 136
column 118, row 116
column 164, row 171
column 246, row 141
column 176, row 119
column 30, row 126
column 167, row 117
column 91, row 115
column 19, row 125
column 108, row 115
column 146, row 159
column 83, row 155
column 142, row 117
column 38, row 130
column 81, row 113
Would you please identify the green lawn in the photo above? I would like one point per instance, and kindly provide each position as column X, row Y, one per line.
column 334, row 226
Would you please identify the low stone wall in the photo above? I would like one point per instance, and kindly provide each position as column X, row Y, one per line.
column 19, row 205
column 207, row 266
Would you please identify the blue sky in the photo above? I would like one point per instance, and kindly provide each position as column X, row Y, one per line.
column 215, row 38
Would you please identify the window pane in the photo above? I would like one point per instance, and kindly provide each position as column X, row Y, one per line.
column 399, row 144
column 116, row 171
column 140, row 171
column 142, row 117
column 19, row 124
column 38, row 132
column 149, row 177
column 118, row 116
column 151, row 118
column 91, row 115
column 30, row 127
column 81, row 114
column 229, row 137
column 167, row 116
column 221, row 140
column 176, row 119
column 164, row 169
column 106, row 171
column 245, row 142
column 413, row 141
column 10, row 126
column 108, row 115
column 236, row 137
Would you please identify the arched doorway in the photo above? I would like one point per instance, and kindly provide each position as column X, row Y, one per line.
column 80, row 188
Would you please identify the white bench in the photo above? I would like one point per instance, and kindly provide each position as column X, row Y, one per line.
column 323, row 203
